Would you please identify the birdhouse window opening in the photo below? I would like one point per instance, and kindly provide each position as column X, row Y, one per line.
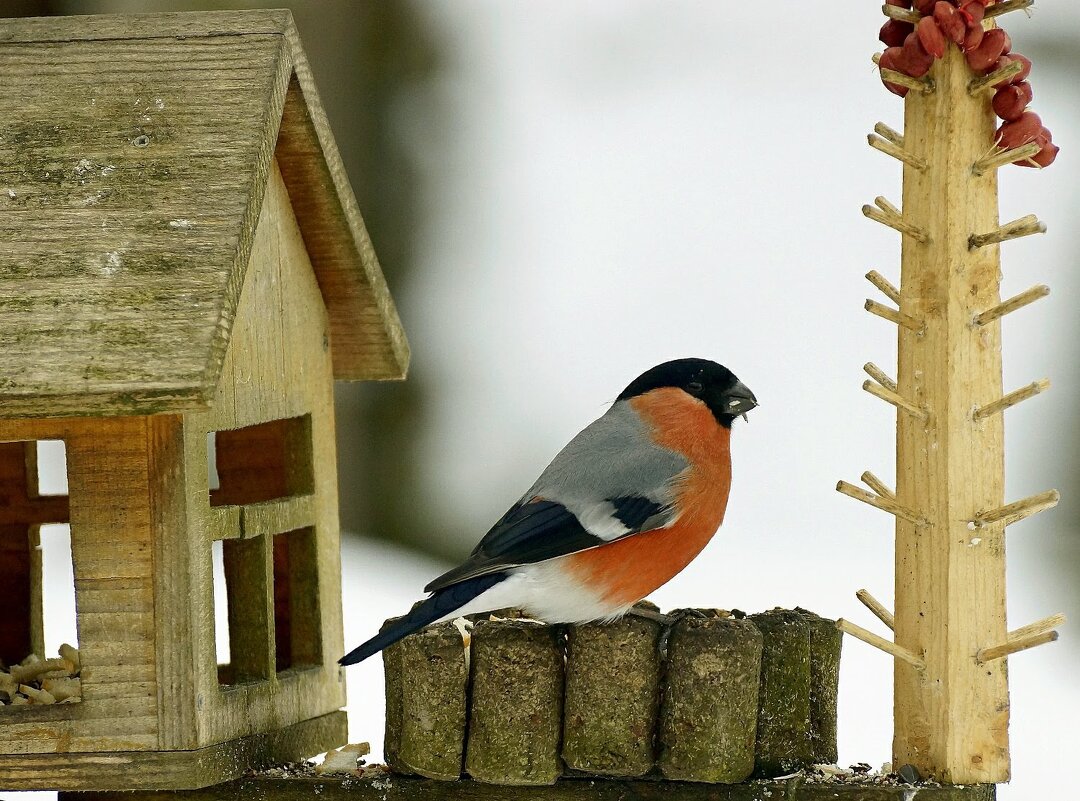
column 264, row 554
column 37, row 632
column 260, row 463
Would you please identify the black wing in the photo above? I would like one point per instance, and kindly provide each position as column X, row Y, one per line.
column 539, row 530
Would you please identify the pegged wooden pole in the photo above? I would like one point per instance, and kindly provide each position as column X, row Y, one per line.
column 952, row 716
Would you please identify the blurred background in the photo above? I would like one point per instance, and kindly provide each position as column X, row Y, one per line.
column 563, row 194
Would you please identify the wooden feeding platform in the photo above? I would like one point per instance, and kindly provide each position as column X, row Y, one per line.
column 176, row 196
column 378, row 785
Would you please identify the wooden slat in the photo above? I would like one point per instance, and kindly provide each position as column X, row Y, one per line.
column 173, row 770
column 277, row 517
column 378, row 786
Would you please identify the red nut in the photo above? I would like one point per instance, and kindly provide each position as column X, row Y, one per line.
column 931, row 37
column 972, row 37
column 894, row 32
column 1010, row 101
column 913, row 59
column 1008, row 42
column 1047, row 152
column 973, row 12
column 1021, row 76
column 1020, row 131
column 925, row 7
column 982, row 58
column 1045, row 157
column 949, row 20
column 888, row 62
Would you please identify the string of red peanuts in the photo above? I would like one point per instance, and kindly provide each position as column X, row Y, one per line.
column 912, row 48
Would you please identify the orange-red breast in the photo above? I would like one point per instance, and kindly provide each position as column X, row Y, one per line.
column 626, row 505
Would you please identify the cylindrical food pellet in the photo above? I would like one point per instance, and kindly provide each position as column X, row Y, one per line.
column 434, row 677
column 710, row 700
column 612, row 696
column 825, row 643
column 515, row 714
column 783, row 730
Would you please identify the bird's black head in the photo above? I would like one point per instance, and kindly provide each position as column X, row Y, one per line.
column 711, row 383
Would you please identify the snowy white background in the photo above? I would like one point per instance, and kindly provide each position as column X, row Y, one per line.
column 634, row 181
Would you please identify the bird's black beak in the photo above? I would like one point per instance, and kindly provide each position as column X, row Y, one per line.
column 739, row 400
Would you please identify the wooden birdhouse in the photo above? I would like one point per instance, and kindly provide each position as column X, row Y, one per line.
column 183, row 275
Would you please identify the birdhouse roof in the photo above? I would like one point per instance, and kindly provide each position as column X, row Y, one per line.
column 136, row 150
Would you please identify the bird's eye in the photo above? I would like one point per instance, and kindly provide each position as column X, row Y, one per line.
column 694, row 387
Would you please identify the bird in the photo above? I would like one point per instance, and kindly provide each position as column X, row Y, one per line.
column 625, row 506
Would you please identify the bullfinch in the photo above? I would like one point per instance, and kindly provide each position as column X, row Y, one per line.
column 626, row 505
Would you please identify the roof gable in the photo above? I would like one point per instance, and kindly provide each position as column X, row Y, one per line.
column 135, row 154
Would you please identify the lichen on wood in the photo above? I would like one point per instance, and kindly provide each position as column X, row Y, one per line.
column 783, row 727
column 825, row 644
column 515, row 717
column 434, row 677
column 612, row 696
column 709, row 710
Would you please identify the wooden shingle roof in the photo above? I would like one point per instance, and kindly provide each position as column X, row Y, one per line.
column 134, row 154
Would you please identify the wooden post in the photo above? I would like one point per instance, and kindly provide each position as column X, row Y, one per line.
column 710, row 705
column 783, row 728
column 426, row 678
column 951, row 719
column 515, row 715
column 951, row 699
column 612, row 695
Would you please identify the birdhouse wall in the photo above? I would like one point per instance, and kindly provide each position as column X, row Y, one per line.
column 277, row 368
column 112, row 542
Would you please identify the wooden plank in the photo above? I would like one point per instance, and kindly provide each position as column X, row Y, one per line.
column 101, row 27
column 174, row 770
column 130, row 133
column 277, row 517
column 378, row 786
column 951, row 718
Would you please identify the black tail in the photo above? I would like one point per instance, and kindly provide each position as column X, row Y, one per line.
column 442, row 603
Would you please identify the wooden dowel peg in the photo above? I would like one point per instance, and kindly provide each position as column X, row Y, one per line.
column 1018, row 510
column 895, row 222
column 902, row 14
column 897, row 152
column 985, row 655
column 888, row 646
column 879, row 375
column 887, row 207
column 878, row 608
column 883, row 130
column 1038, row 627
column 984, row 82
column 997, row 9
column 894, row 316
column 884, row 504
column 999, row 158
column 886, row 287
column 877, row 485
column 1025, row 226
column 899, row 401
column 924, row 85
column 1013, row 398
column 1012, row 304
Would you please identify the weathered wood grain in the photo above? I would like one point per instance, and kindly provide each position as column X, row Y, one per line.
column 709, row 713
column 515, row 712
column 136, row 151
column 612, row 696
column 381, row 787
column 124, row 770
